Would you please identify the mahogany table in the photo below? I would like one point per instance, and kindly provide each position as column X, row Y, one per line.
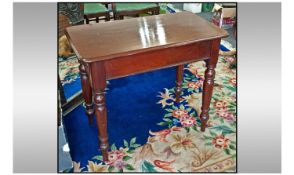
column 121, row 48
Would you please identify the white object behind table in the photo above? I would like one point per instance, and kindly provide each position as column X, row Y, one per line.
column 193, row 7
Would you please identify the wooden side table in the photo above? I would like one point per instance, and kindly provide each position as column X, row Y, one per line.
column 121, row 48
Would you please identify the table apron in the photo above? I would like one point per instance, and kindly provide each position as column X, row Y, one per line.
column 152, row 60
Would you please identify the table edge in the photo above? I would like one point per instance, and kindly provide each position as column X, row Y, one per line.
column 133, row 52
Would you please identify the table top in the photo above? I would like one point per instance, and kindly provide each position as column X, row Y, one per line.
column 103, row 41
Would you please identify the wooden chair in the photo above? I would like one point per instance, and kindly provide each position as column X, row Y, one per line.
column 134, row 9
column 93, row 11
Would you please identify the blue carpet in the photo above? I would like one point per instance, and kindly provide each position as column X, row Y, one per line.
column 132, row 112
column 72, row 88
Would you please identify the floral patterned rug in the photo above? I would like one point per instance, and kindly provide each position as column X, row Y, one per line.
column 182, row 147
column 69, row 76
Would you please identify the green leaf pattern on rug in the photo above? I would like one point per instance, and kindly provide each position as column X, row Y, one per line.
column 147, row 167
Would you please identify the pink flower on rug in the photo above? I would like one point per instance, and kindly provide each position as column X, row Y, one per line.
column 222, row 112
column 229, row 59
column 115, row 157
column 187, row 121
column 195, row 85
column 225, row 114
column 230, row 117
column 179, row 112
column 233, row 81
column 220, row 141
column 220, row 104
column 120, row 164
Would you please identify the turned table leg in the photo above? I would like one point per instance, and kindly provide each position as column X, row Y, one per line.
column 179, row 82
column 87, row 93
column 87, row 19
column 208, row 83
column 99, row 84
